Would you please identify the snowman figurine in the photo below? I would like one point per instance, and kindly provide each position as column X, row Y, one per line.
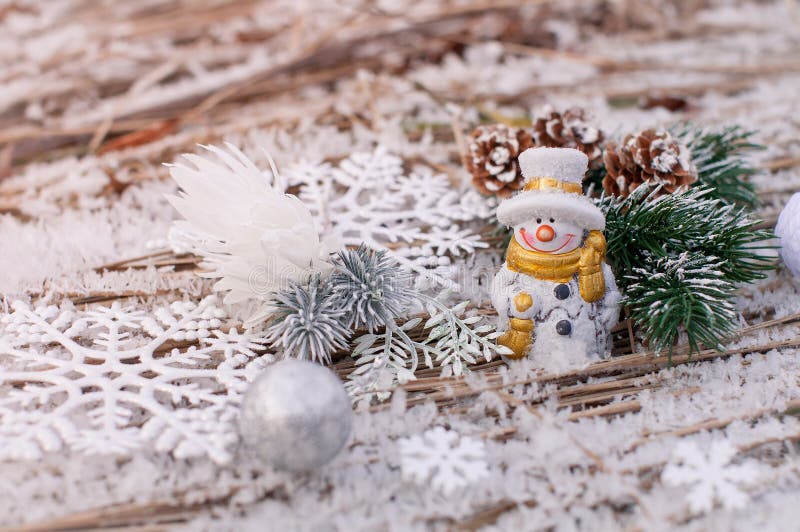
column 555, row 294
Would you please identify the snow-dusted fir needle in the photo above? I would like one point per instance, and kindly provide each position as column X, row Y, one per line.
column 679, row 258
column 371, row 286
column 308, row 321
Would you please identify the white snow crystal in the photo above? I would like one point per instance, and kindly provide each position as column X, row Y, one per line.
column 710, row 475
column 443, row 460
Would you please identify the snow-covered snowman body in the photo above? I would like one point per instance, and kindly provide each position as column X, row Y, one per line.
column 555, row 295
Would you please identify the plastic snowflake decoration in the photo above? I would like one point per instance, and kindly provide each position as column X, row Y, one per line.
column 417, row 218
column 114, row 380
column 710, row 475
column 443, row 460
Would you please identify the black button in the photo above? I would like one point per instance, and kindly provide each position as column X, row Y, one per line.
column 562, row 291
column 564, row 327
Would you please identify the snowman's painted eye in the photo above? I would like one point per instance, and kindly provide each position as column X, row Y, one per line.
column 552, row 220
column 538, row 220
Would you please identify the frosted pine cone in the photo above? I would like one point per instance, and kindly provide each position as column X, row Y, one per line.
column 569, row 129
column 650, row 156
column 492, row 158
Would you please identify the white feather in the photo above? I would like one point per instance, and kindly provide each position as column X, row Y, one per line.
column 254, row 237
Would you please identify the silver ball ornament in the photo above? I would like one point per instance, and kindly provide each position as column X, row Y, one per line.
column 296, row 415
column 788, row 230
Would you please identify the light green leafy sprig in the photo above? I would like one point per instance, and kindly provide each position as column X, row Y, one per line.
column 453, row 342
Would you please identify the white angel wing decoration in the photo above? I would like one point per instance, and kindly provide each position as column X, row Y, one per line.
column 252, row 236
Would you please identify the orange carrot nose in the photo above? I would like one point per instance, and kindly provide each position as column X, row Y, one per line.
column 545, row 233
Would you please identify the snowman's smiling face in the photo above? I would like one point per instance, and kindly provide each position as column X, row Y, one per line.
column 548, row 235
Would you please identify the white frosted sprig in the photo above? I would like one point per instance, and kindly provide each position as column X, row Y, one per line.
column 253, row 237
column 385, row 360
column 371, row 286
column 381, row 367
column 457, row 342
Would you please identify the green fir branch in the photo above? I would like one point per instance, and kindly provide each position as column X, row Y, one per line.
column 678, row 259
column 644, row 226
column 721, row 160
column 689, row 292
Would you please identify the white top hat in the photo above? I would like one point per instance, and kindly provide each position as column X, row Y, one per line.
column 552, row 190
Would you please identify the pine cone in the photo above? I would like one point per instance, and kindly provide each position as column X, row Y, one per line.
column 568, row 130
column 650, row 156
column 492, row 158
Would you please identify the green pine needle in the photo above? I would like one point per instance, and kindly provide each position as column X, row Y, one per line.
column 688, row 292
column 720, row 158
column 678, row 259
column 593, row 181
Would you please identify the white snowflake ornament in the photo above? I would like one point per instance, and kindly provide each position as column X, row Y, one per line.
column 788, row 230
column 710, row 475
column 443, row 460
column 418, row 217
column 103, row 381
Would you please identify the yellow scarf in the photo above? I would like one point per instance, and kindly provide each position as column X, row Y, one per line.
column 587, row 262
